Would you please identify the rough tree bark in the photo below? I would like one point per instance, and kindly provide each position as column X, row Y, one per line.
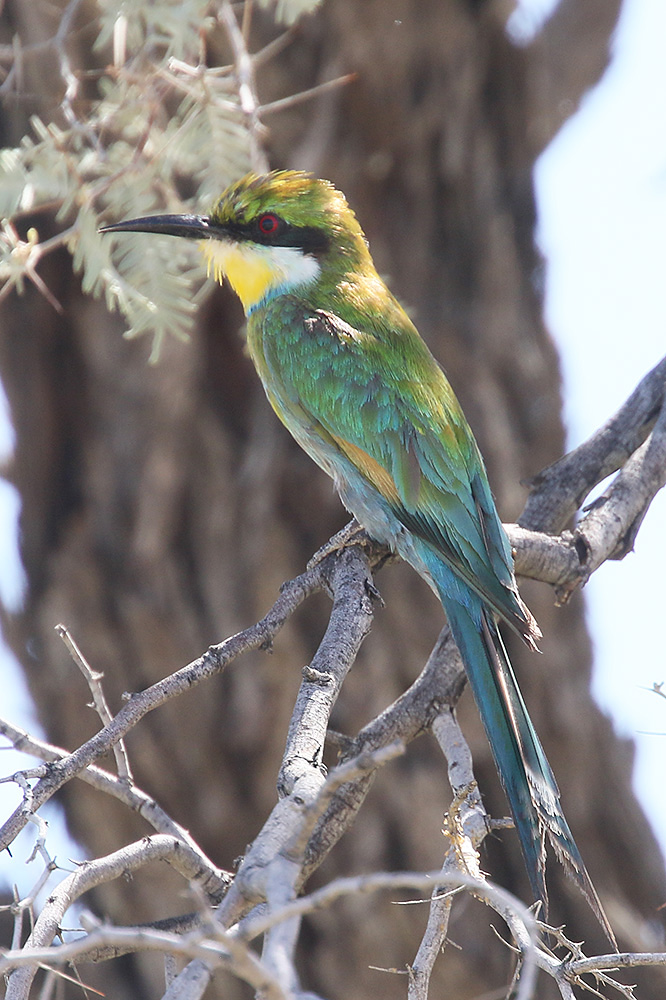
column 163, row 507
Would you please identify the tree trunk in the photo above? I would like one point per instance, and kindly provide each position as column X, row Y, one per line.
column 163, row 506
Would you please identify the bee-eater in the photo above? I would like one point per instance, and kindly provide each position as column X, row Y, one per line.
column 348, row 374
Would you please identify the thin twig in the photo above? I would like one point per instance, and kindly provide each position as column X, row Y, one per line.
column 133, row 797
column 609, row 963
column 212, row 662
column 71, row 81
column 246, row 23
column 246, row 88
column 94, row 681
column 518, row 917
column 465, row 826
column 274, row 47
column 283, row 103
column 89, row 875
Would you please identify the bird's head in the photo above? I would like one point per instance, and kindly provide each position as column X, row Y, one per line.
column 270, row 234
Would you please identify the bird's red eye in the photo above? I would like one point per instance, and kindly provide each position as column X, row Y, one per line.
column 269, row 224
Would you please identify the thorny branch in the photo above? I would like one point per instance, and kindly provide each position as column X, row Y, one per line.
column 314, row 811
column 93, row 680
column 632, row 441
column 86, row 877
column 559, row 490
column 134, row 798
column 246, row 89
column 211, row 943
column 213, row 661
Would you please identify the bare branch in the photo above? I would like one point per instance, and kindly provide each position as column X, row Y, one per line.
column 273, row 868
column 516, row 915
column 283, row 884
column 213, row 661
column 609, row 529
column 569, row 971
column 211, row 946
column 283, row 103
column 94, row 682
column 610, row 963
column 350, row 621
column 465, row 826
column 357, row 768
column 136, row 799
column 86, row 877
column 314, row 811
column 66, row 71
column 246, row 90
column 191, row 984
column 441, row 682
column 559, row 490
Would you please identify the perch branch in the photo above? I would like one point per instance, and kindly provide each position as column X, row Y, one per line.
column 559, row 490
column 272, row 869
column 349, row 624
column 440, row 683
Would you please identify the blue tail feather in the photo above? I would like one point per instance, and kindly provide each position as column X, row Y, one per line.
column 523, row 768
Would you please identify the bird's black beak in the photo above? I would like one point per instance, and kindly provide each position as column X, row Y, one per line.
column 194, row 227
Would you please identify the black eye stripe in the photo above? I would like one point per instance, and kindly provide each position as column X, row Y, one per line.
column 310, row 239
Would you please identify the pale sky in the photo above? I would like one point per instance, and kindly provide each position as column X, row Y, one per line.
column 602, row 209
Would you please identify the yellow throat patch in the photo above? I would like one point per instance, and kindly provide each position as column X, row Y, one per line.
column 255, row 272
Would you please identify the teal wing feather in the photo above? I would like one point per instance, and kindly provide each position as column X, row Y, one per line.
column 383, row 393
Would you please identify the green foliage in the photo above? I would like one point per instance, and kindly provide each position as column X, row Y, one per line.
column 219, row 128
column 150, row 281
column 161, row 124
column 33, row 173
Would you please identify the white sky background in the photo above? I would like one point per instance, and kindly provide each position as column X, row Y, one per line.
column 602, row 207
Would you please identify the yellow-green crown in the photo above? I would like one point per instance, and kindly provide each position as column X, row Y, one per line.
column 301, row 200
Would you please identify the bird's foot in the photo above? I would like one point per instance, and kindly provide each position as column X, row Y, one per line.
column 462, row 851
column 351, row 534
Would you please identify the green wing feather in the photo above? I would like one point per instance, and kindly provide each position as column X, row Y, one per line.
column 382, row 392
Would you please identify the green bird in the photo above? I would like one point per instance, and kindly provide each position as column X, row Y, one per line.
column 348, row 374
